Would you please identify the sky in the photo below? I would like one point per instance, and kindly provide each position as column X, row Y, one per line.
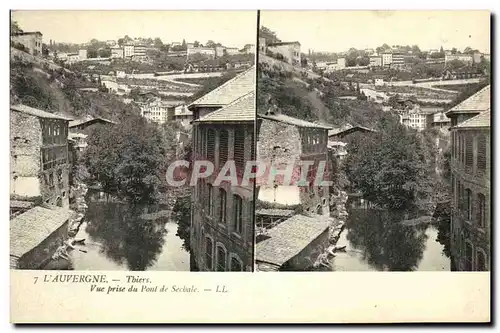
column 230, row 28
column 337, row 31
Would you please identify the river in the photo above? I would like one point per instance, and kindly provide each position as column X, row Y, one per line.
column 378, row 240
column 118, row 237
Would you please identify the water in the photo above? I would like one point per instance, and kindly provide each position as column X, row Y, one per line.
column 378, row 240
column 117, row 238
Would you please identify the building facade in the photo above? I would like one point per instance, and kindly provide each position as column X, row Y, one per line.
column 128, row 50
column 222, row 219
column 82, row 54
column 117, row 52
column 206, row 51
column 157, row 112
column 398, row 60
column 140, row 51
column 289, row 50
column 470, row 167
column 386, row 59
column 375, row 61
column 39, row 155
column 465, row 58
column 32, row 41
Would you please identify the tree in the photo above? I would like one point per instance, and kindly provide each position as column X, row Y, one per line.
column 104, row 53
column 268, row 35
column 135, row 173
column 158, row 43
column 196, row 43
column 455, row 64
column 454, row 50
column 94, row 41
column 184, row 46
column 415, row 50
column 210, row 43
column 14, row 27
column 303, row 61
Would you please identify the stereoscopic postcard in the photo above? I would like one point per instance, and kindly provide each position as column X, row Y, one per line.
column 336, row 163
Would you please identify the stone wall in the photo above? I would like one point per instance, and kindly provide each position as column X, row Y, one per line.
column 307, row 257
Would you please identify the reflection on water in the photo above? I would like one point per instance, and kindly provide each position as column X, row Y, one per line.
column 377, row 240
column 117, row 238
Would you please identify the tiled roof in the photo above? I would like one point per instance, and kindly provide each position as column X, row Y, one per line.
column 36, row 112
column 233, row 89
column 292, row 121
column 478, row 102
column 78, row 122
column 275, row 212
column 31, row 228
column 349, row 129
column 289, row 238
column 480, row 121
column 242, row 109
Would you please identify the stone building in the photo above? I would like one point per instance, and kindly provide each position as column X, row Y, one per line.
column 282, row 140
column 32, row 41
column 39, row 155
column 470, row 168
column 289, row 50
column 222, row 219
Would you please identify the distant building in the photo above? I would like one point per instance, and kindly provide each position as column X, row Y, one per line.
column 157, row 111
column 289, row 50
column 470, row 243
column 386, row 59
column 183, row 116
column 73, row 58
column 82, row 54
column 111, row 43
column 398, row 59
column 39, row 155
column 32, row 41
column 438, row 120
column 128, row 50
column 232, row 50
column 207, row 51
column 465, row 58
column 140, row 51
column 117, row 52
column 249, row 48
column 219, row 51
column 88, row 124
column 222, row 219
column 369, row 52
column 375, row 61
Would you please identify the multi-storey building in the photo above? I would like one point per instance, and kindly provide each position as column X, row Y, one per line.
column 465, row 58
column 375, row 61
column 470, row 169
column 232, row 50
column 32, row 41
column 289, row 50
column 117, row 52
column 283, row 140
column 207, row 51
column 158, row 111
column 39, row 155
column 222, row 216
column 398, row 59
column 140, row 51
column 82, row 54
column 128, row 50
column 386, row 59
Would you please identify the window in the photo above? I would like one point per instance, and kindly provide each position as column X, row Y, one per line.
column 236, row 265
column 468, row 197
column 210, row 144
column 222, row 205
column 481, row 211
column 469, row 150
column 238, row 214
column 239, row 149
column 468, row 256
column 210, row 199
column 209, row 253
column 223, row 147
column 481, row 261
column 481, row 153
column 221, row 259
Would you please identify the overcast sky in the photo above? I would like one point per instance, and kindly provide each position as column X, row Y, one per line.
column 231, row 28
column 337, row 31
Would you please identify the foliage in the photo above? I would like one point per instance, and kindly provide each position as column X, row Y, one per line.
column 182, row 215
column 128, row 160
column 211, row 83
column 389, row 167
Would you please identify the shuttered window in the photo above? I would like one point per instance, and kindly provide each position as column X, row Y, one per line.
column 209, row 253
column 236, row 265
column 481, row 211
column 239, row 149
column 223, row 147
column 222, row 206
column 481, row 153
column 469, row 147
column 221, row 259
column 468, row 197
column 210, row 144
column 238, row 214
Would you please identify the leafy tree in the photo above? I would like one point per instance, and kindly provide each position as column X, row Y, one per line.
column 455, row 64
column 14, row 27
column 210, row 43
column 184, row 46
column 158, row 43
column 196, row 43
column 128, row 160
column 269, row 35
column 182, row 215
column 454, row 50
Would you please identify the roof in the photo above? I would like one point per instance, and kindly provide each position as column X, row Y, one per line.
column 242, row 109
column 29, row 229
column 275, row 212
column 478, row 102
column 79, row 122
column 289, row 238
column 21, row 204
column 482, row 120
column 27, row 33
column 36, row 112
column 348, row 130
column 292, row 121
column 226, row 93
column 282, row 43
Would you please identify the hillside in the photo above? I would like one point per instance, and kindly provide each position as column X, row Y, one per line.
column 313, row 99
column 60, row 91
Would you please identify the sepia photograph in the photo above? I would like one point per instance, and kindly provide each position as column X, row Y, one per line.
column 101, row 104
column 378, row 123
